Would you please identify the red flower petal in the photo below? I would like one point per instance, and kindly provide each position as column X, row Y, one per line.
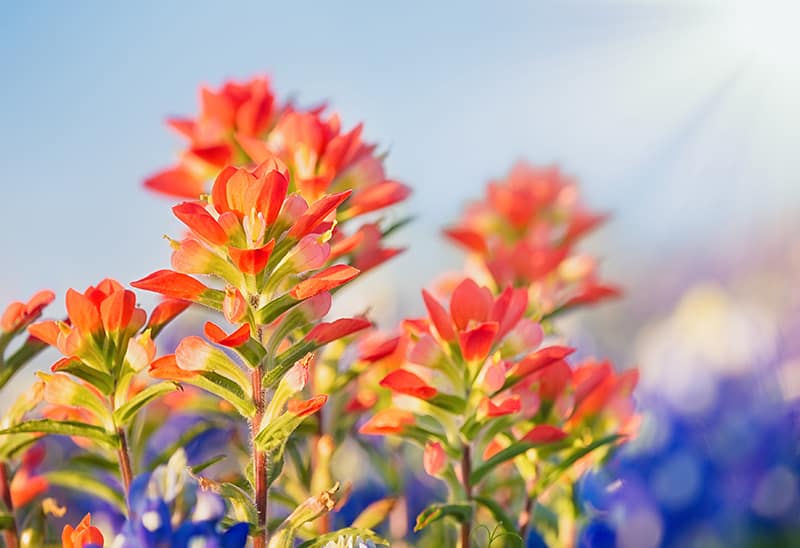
column 316, row 213
column 117, row 309
column 172, row 284
column 83, row 313
column 308, row 407
column 388, row 421
column 326, row 280
column 167, row 368
column 251, row 261
column 237, row 338
column 166, row 311
column 200, row 221
column 541, row 359
column 506, row 407
column 470, row 302
column 439, row 316
column 470, row 239
column 406, row 382
column 176, row 181
column 326, row 332
column 477, row 342
column 544, row 433
column 378, row 196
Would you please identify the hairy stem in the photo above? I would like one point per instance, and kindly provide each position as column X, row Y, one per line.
column 259, row 463
column 124, row 461
column 466, row 471
column 527, row 516
column 10, row 534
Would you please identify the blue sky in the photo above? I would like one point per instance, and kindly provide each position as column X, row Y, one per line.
column 684, row 137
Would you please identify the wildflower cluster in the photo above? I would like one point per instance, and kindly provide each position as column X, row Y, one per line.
column 231, row 437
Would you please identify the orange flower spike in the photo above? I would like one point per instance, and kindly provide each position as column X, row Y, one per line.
column 172, row 284
column 18, row 315
column 406, row 382
column 388, row 421
column 326, row 280
column 82, row 535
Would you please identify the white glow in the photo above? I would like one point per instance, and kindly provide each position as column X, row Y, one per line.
column 767, row 30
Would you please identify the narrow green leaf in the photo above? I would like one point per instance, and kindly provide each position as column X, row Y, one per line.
column 285, row 361
column 87, row 483
column 275, row 308
column 65, row 428
column 244, row 509
column 461, row 512
column 448, row 402
column 196, row 469
column 29, row 350
column 374, row 514
column 127, row 412
column 552, row 475
column 365, row 534
column 498, row 513
column 99, row 379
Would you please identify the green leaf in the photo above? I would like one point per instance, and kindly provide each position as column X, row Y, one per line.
column 374, row 514
column 499, row 458
column 6, row 521
column 397, row 225
column 448, row 402
column 285, row 361
column 498, row 513
column 275, row 308
column 23, row 355
column 552, row 475
column 65, row 428
column 127, row 412
column 197, row 468
column 461, row 512
column 243, row 507
column 365, row 534
column 87, row 483
column 225, row 389
column 99, row 379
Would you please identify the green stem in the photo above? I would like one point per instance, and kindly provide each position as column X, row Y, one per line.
column 466, row 471
column 11, row 536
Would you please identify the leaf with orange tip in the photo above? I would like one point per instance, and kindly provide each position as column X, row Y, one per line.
column 508, row 406
column 17, row 315
column 326, row 280
column 46, row 331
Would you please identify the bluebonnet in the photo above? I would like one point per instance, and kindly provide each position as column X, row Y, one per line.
column 168, row 508
column 726, row 475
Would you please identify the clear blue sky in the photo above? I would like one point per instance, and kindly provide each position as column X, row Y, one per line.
column 666, row 124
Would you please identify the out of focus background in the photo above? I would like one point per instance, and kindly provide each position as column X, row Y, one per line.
column 681, row 118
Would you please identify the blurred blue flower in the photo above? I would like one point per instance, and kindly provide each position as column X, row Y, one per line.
column 168, row 508
column 724, row 476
